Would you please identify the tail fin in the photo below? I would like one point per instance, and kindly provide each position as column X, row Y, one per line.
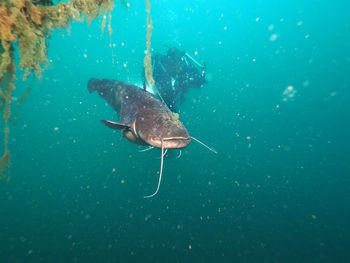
column 93, row 85
column 100, row 84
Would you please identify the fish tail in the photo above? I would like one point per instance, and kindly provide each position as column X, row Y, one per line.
column 100, row 84
column 93, row 85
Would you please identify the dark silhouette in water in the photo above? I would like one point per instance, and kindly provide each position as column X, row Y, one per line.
column 174, row 74
column 143, row 119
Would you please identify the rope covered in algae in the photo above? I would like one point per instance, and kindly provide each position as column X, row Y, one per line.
column 147, row 62
column 7, row 86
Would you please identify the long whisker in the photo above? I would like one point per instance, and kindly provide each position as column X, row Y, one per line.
column 211, row 149
column 166, row 150
column 143, row 150
column 160, row 173
column 177, row 157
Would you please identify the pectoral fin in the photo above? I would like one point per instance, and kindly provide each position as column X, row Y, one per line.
column 115, row 125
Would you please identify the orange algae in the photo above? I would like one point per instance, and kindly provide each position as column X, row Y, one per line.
column 18, row 105
column 147, row 62
column 7, row 86
column 26, row 25
column 4, row 163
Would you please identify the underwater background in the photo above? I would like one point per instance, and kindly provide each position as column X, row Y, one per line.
column 277, row 111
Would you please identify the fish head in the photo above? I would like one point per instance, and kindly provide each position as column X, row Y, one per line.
column 164, row 128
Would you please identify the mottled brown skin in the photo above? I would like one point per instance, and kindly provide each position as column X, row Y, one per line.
column 144, row 119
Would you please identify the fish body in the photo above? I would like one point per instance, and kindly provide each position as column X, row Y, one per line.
column 143, row 119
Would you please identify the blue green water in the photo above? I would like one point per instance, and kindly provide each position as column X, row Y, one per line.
column 277, row 112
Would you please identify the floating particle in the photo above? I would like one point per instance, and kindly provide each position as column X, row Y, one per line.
column 306, row 83
column 289, row 93
column 273, row 37
column 270, row 27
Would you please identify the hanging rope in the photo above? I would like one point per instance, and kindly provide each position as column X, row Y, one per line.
column 147, row 62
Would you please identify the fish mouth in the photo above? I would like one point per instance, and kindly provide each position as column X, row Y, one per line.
column 171, row 142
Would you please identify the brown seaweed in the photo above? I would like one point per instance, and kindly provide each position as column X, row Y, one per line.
column 26, row 25
column 147, row 60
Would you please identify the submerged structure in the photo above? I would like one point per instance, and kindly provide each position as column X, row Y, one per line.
column 26, row 25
